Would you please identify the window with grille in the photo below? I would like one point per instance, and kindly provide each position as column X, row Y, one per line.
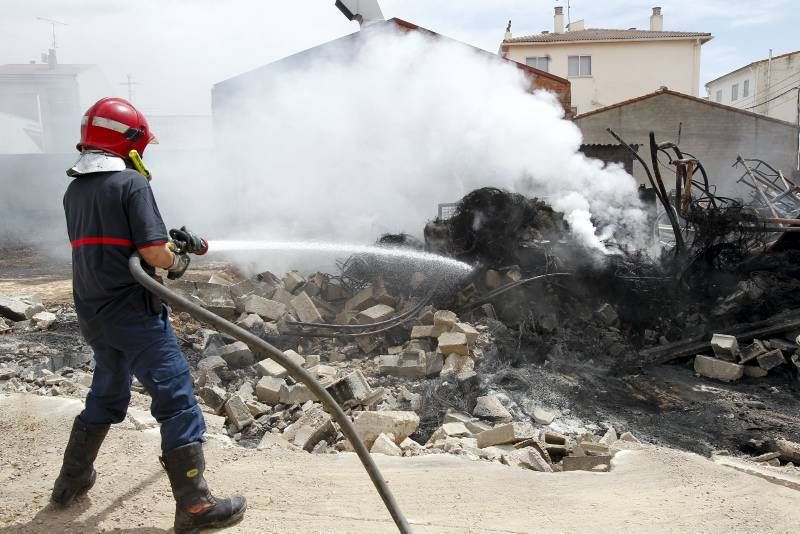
column 735, row 92
column 746, row 89
column 719, row 96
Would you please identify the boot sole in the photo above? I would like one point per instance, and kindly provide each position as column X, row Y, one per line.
column 232, row 520
column 82, row 491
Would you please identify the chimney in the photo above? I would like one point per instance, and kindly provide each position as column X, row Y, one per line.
column 558, row 20
column 656, row 20
column 366, row 12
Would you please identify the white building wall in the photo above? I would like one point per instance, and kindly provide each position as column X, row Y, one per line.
column 766, row 84
column 621, row 70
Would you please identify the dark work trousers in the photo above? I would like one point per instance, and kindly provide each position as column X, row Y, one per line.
column 144, row 346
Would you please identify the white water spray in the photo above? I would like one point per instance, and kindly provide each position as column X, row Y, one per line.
column 403, row 254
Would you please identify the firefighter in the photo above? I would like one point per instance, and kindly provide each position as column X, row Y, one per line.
column 111, row 212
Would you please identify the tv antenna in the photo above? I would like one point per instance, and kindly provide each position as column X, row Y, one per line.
column 130, row 83
column 53, row 23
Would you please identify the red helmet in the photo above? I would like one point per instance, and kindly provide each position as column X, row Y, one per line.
column 115, row 126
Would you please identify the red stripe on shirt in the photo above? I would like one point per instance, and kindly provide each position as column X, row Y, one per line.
column 102, row 241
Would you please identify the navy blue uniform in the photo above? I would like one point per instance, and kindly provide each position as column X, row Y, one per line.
column 109, row 216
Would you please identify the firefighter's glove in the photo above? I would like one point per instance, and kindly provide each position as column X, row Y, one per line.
column 180, row 262
column 188, row 242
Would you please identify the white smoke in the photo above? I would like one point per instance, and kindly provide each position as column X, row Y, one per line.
column 350, row 146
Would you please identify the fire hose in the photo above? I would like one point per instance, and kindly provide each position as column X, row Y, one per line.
column 294, row 370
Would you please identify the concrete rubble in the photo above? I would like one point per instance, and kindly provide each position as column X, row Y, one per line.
column 420, row 387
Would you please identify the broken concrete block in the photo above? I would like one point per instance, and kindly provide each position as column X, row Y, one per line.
column 282, row 296
column 752, row 351
column 312, row 360
column 313, row 426
column 268, row 309
column 629, row 437
column 292, row 281
column 588, row 448
column 219, row 279
column 468, row 330
column 445, row 320
column 237, row 413
column 211, row 362
column 237, row 355
column 370, row 425
column 530, row 458
column 20, row 308
column 215, row 298
column 425, row 331
column 384, row 444
column 352, row 388
column 608, row 314
column 272, row 368
column 584, row 463
column 789, row 450
column 725, row 347
column 214, row 397
column 447, row 430
column 360, row 301
column 542, row 416
column 453, row 342
column 718, row 369
column 770, row 360
column 43, row 320
column 268, row 389
column 609, row 437
column 368, row 344
column 256, row 408
column 490, row 408
column 374, row 314
column 334, row 292
column 215, row 424
column 504, row 434
column 296, row 394
column 754, row 371
column 409, row 444
column 411, row 364
column 305, row 309
column 252, row 323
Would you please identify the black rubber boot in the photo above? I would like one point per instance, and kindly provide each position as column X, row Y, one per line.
column 195, row 508
column 77, row 474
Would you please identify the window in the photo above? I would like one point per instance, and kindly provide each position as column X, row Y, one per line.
column 540, row 62
column 734, row 92
column 580, row 65
column 719, row 96
column 746, row 89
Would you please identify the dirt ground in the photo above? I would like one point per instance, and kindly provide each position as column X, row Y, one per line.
column 652, row 490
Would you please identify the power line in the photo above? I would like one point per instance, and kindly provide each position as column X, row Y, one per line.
column 773, row 88
column 775, row 97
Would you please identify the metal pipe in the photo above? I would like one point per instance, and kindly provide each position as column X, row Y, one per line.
column 294, row 370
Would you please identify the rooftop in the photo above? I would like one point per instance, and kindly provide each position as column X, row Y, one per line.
column 42, row 69
column 665, row 91
column 753, row 64
column 599, row 34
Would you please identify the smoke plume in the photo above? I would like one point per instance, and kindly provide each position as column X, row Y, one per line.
column 351, row 145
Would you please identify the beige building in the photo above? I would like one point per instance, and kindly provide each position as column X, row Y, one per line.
column 610, row 66
column 768, row 87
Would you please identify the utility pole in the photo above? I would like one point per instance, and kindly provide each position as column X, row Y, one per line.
column 53, row 24
column 130, row 83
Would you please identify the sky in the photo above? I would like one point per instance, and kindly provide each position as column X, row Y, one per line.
column 177, row 49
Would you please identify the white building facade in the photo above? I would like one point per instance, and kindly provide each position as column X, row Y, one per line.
column 610, row 66
column 768, row 87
